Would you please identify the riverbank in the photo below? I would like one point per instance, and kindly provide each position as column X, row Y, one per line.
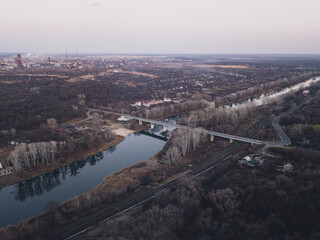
column 267, row 91
column 42, row 169
column 113, row 188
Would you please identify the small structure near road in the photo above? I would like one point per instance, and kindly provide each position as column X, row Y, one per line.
column 286, row 168
column 5, row 171
column 251, row 160
column 123, row 119
column 137, row 104
column 79, row 127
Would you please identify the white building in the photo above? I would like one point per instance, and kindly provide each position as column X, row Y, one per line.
column 137, row 104
column 123, row 119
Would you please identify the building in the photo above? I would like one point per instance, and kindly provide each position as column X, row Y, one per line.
column 146, row 104
column 123, row 119
column 137, row 104
column 305, row 92
column 252, row 160
column 153, row 102
column 285, row 168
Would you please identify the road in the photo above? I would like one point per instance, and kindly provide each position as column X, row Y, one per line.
column 284, row 139
column 217, row 134
column 82, row 225
column 85, row 223
column 89, row 117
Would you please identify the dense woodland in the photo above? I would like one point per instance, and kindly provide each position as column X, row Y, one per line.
column 30, row 96
column 234, row 202
column 231, row 203
column 228, row 203
column 303, row 126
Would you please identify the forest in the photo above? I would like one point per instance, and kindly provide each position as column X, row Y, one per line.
column 230, row 203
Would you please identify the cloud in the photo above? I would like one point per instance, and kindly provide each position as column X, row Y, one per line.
column 96, row 4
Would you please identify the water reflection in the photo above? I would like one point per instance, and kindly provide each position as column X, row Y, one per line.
column 45, row 183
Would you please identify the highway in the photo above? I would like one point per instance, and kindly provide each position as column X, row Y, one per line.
column 74, row 229
column 217, row 134
column 84, row 224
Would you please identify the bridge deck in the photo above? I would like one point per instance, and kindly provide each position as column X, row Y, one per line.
column 217, row 134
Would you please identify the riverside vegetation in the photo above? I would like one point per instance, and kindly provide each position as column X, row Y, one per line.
column 177, row 152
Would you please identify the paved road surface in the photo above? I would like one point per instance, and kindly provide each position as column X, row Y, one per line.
column 284, row 139
column 217, row 134
column 76, row 228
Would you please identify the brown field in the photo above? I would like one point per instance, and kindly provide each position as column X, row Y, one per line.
column 129, row 84
column 136, row 73
column 222, row 66
column 85, row 77
column 11, row 82
column 42, row 75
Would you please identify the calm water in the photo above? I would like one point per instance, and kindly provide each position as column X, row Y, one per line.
column 28, row 198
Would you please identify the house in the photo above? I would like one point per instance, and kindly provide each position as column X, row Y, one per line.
column 137, row 104
column 146, row 104
column 153, row 102
column 252, row 160
column 5, row 171
column 1, row 165
column 286, row 168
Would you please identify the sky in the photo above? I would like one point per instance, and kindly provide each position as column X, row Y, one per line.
column 163, row 26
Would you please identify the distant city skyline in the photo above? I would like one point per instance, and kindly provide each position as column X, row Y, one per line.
column 161, row 27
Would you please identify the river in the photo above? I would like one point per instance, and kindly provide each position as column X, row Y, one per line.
column 272, row 96
column 29, row 198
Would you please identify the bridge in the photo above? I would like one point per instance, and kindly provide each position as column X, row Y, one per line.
column 165, row 125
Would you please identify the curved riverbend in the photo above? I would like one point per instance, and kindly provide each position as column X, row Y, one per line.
column 29, row 198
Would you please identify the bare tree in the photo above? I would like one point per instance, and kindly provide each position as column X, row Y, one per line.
column 147, row 112
column 13, row 132
column 52, row 122
column 96, row 122
column 171, row 156
column 5, row 132
column 153, row 163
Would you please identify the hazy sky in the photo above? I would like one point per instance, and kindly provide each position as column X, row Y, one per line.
column 163, row 26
